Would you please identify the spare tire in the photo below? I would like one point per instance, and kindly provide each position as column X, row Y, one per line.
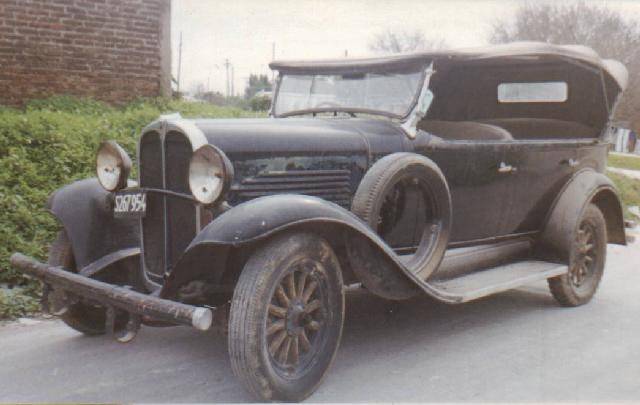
column 378, row 191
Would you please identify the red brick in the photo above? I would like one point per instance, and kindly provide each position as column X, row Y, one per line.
column 107, row 49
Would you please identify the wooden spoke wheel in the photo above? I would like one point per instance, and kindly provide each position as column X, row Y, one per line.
column 297, row 312
column 588, row 254
column 286, row 317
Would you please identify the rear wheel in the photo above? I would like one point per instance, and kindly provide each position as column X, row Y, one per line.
column 286, row 317
column 578, row 286
column 83, row 317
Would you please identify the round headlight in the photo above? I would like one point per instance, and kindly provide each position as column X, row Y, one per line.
column 112, row 166
column 210, row 174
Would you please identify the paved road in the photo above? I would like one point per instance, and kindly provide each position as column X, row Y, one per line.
column 516, row 346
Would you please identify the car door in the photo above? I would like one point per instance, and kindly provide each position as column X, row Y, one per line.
column 477, row 183
column 540, row 168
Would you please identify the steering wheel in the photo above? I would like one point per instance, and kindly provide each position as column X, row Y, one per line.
column 332, row 104
column 328, row 104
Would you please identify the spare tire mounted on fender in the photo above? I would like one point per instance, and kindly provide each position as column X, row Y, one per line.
column 376, row 203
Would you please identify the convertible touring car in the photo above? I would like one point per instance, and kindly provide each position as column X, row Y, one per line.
column 456, row 174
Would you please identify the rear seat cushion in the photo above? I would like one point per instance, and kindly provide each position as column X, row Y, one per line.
column 465, row 130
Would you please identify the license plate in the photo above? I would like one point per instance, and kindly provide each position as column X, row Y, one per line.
column 130, row 204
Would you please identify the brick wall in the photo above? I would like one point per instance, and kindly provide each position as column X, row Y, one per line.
column 113, row 50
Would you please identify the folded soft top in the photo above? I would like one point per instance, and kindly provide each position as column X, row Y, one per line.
column 513, row 50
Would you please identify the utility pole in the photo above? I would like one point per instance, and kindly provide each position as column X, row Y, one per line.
column 179, row 63
column 226, row 65
column 273, row 57
column 233, row 93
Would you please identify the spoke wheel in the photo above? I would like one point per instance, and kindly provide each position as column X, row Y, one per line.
column 286, row 317
column 586, row 255
column 578, row 286
column 85, row 317
column 296, row 318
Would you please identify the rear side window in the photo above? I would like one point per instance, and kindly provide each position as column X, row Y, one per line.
column 534, row 92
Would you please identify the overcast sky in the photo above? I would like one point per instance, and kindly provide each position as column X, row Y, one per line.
column 243, row 31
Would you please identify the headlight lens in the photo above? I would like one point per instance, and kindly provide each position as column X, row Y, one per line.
column 210, row 174
column 112, row 166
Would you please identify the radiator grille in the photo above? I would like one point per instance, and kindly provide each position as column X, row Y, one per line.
column 170, row 222
column 153, row 222
column 181, row 213
column 331, row 185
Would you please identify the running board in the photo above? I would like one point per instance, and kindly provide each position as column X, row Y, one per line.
column 494, row 280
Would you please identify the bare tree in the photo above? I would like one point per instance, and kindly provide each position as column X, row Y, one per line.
column 399, row 41
column 604, row 30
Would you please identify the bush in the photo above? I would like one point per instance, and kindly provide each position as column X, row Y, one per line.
column 51, row 143
column 17, row 302
column 260, row 103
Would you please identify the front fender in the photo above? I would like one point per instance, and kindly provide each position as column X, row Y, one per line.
column 263, row 217
column 585, row 187
column 85, row 210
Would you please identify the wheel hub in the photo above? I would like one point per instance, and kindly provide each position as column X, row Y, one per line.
column 295, row 324
column 296, row 318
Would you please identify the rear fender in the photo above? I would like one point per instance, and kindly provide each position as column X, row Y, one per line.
column 257, row 220
column 85, row 210
column 585, row 187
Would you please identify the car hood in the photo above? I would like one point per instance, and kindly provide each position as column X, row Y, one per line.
column 291, row 135
column 325, row 157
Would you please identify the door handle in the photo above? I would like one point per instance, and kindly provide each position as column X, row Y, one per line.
column 505, row 168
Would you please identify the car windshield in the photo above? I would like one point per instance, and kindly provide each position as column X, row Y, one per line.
column 386, row 93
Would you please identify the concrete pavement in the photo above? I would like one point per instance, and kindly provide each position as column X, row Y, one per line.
column 515, row 346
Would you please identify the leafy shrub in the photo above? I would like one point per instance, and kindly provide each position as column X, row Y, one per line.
column 69, row 104
column 17, row 302
column 260, row 103
column 51, row 143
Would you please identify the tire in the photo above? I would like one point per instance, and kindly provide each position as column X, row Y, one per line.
column 281, row 347
column 86, row 319
column 371, row 204
column 587, row 259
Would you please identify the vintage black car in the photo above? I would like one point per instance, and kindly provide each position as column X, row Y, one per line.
column 453, row 174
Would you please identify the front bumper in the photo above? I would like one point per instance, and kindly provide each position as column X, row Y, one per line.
column 112, row 296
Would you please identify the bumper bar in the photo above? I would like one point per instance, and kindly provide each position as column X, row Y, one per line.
column 115, row 296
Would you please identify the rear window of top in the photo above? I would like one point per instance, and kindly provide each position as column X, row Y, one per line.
column 533, row 92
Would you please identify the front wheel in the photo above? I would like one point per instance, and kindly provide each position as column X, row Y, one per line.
column 578, row 286
column 84, row 317
column 286, row 317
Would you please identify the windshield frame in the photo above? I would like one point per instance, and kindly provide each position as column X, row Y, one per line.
column 424, row 72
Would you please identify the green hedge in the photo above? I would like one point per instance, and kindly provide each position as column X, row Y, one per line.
column 51, row 143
